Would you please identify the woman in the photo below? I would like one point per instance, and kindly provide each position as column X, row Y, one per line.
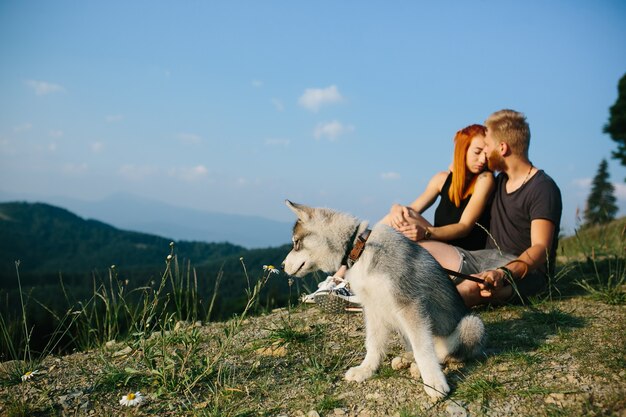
column 462, row 216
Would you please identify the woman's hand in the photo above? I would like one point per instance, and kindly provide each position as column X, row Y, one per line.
column 399, row 215
column 413, row 231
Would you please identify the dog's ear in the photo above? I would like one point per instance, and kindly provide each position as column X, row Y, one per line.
column 303, row 212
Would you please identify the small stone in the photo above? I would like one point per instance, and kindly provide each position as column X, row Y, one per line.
column 110, row 345
column 555, row 398
column 455, row 409
column 312, row 413
column 126, row 351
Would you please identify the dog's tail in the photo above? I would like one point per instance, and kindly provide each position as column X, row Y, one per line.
column 466, row 341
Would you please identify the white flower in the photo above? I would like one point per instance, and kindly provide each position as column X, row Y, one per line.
column 131, row 400
column 271, row 269
column 28, row 375
column 169, row 258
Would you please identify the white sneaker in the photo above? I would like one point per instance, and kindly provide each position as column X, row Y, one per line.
column 338, row 300
column 325, row 286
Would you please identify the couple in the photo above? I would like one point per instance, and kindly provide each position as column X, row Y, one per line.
column 521, row 207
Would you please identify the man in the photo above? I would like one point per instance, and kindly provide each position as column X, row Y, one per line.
column 525, row 221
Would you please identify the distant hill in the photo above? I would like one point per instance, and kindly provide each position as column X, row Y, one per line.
column 129, row 212
column 46, row 238
column 51, row 243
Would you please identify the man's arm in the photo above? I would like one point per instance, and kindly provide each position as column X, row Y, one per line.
column 541, row 233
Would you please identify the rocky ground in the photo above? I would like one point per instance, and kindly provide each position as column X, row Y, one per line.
column 557, row 358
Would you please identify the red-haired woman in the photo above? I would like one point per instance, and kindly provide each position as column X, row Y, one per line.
column 465, row 192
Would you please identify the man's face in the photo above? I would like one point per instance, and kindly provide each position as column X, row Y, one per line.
column 495, row 161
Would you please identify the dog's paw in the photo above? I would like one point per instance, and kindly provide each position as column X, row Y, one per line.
column 403, row 361
column 358, row 373
column 437, row 388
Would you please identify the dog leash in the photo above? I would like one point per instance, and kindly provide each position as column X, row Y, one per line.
column 464, row 276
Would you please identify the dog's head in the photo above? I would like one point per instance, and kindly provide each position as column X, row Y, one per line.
column 319, row 240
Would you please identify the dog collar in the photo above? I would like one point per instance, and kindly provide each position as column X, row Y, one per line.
column 358, row 247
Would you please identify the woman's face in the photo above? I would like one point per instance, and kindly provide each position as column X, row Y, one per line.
column 475, row 159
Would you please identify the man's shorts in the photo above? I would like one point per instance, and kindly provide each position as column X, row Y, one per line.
column 473, row 262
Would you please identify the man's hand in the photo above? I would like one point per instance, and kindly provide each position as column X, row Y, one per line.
column 494, row 279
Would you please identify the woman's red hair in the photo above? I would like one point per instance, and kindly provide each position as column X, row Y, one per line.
column 459, row 190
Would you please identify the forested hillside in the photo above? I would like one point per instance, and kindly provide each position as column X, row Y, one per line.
column 46, row 239
column 65, row 259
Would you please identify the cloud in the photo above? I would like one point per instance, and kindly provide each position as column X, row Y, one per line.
column 277, row 142
column 97, row 147
column 42, row 88
column 136, row 172
column 189, row 138
column 390, row 176
column 245, row 182
column 314, row 98
column 189, row 173
column 278, row 104
column 114, row 118
column 56, row 133
column 22, row 128
column 582, row 182
column 331, row 130
column 257, row 83
column 620, row 190
column 75, row 169
column 584, row 186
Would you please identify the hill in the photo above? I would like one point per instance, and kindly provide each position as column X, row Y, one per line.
column 131, row 212
column 561, row 354
column 562, row 357
column 65, row 259
column 46, row 239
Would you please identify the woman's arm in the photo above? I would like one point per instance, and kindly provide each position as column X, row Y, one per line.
column 485, row 184
column 400, row 215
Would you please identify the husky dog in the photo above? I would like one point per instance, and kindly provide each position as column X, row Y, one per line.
column 401, row 287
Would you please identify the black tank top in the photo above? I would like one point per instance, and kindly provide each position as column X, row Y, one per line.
column 447, row 213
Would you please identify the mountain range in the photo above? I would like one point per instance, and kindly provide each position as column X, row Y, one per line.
column 130, row 212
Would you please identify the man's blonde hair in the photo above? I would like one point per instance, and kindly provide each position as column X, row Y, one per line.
column 510, row 127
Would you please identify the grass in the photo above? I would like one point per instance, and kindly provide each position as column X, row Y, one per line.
column 147, row 339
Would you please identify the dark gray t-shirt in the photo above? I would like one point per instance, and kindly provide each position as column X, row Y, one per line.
column 511, row 214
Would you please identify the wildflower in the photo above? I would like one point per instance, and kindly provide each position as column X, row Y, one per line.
column 169, row 257
column 132, row 399
column 241, row 258
column 28, row 375
column 171, row 244
column 270, row 269
column 113, row 266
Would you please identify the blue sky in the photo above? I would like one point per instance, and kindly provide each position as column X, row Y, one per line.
column 235, row 106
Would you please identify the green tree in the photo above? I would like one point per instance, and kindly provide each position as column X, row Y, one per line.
column 616, row 126
column 601, row 207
